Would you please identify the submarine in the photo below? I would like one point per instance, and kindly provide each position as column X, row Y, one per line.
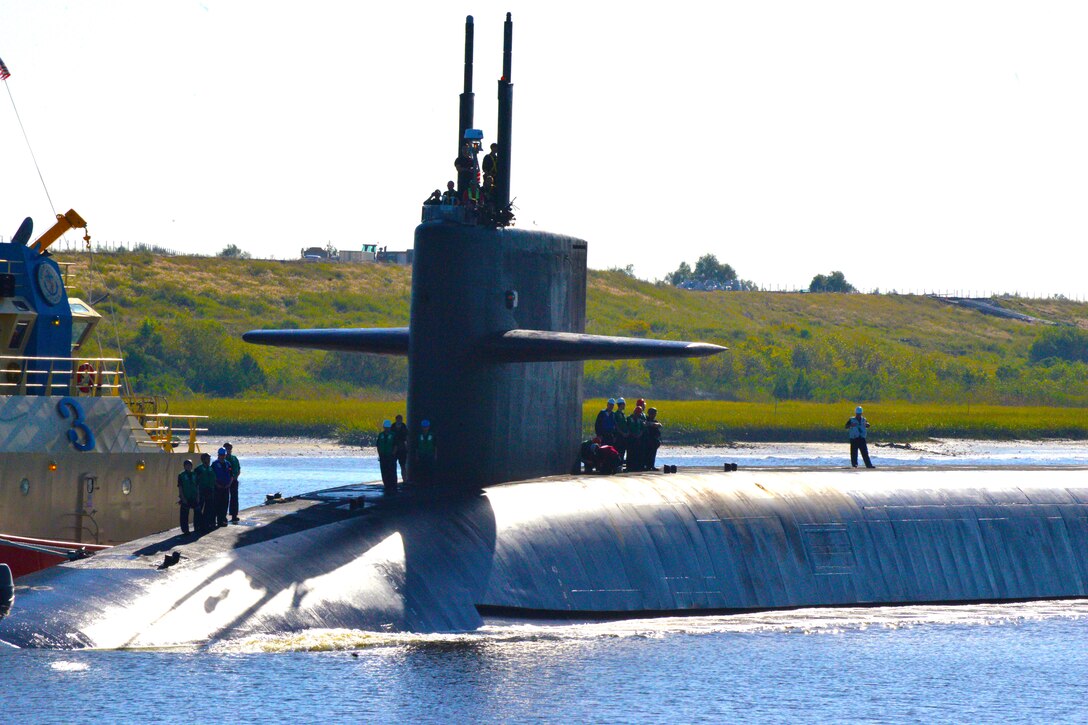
column 505, row 526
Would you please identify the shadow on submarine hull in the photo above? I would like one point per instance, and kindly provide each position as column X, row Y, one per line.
column 585, row 547
column 310, row 563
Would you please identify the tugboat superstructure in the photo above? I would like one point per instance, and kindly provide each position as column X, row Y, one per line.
column 80, row 468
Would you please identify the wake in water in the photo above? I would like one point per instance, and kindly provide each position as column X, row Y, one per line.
column 831, row 621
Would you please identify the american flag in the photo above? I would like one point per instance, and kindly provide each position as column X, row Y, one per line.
column 4, row 72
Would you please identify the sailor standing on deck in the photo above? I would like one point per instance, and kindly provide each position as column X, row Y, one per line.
column 635, row 425
column 387, row 457
column 859, row 430
column 400, row 444
column 426, row 454
column 221, row 469
column 188, row 498
column 204, row 520
column 605, row 426
column 651, row 440
column 235, row 469
column 620, row 416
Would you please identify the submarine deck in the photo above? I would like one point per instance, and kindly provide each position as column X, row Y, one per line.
column 365, row 500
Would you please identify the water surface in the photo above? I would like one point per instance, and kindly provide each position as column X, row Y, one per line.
column 991, row 663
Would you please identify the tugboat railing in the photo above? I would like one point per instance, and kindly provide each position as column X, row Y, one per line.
column 161, row 427
column 25, row 375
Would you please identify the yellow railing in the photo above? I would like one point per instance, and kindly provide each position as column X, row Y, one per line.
column 161, row 427
column 96, row 376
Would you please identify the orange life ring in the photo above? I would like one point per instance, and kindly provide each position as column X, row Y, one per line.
column 85, row 377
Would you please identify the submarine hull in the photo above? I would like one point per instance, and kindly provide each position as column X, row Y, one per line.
column 581, row 547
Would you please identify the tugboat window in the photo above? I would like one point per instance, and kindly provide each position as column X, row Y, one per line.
column 79, row 327
column 24, row 486
column 126, row 486
column 20, row 333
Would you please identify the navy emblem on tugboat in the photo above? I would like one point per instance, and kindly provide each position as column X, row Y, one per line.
column 50, row 284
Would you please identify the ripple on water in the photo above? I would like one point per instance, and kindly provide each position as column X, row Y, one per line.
column 828, row 622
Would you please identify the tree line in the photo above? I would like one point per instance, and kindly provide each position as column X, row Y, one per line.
column 709, row 273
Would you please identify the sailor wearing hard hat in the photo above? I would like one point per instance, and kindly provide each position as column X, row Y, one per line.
column 858, row 429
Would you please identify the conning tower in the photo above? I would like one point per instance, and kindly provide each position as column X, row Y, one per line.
column 496, row 338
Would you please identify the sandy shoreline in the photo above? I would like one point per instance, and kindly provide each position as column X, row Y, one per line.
column 288, row 447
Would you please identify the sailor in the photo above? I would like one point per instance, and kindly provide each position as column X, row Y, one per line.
column 426, row 453
column 620, row 440
column 221, row 469
column 605, row 426
column 387, row 458
column 490, row 164
column 449, row 196
column 858, row 429
column 205, row 483
column 651, row 440
column 465, row 163
column 606, row 459
column 434, row 199
column 636, row 423
column 235, row 469
column 587, row 452
column 400, row 444
column 188, row 498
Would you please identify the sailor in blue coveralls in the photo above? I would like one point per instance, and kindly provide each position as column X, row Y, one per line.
column 221, row 469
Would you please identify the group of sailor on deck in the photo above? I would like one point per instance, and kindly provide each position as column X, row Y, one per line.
column 623, row 442
column 209, row 491
column 392, row 445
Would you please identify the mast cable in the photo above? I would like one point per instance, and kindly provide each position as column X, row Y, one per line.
column 90, row 252
column 30, row 148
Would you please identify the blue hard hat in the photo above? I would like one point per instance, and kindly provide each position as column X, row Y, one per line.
column 611, row 401
column 621, row 401
column 386, row 424
column 425, row 423
column 857, row 409
column 222, row 451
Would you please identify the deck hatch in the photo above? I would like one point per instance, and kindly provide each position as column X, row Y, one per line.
column 829, row 548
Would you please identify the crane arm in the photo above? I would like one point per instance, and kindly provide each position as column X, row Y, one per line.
column 71, row 220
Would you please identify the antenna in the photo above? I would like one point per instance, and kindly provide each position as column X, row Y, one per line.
column 506, row 108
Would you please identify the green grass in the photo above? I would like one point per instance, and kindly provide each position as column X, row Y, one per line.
column 805, row 347
column 686, row 422
column 345, row 419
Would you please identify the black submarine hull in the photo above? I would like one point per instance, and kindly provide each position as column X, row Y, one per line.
column 581, row 547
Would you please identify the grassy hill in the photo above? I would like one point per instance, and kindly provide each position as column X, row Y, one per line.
column 177, row 321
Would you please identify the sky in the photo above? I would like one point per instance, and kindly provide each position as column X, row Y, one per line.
column 922, row 146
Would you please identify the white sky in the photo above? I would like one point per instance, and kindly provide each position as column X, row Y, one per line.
column 914, row 146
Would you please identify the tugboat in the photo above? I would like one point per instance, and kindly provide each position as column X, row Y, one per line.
column 83, row 464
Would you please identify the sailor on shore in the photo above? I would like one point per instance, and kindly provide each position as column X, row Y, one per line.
column 858, row 429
